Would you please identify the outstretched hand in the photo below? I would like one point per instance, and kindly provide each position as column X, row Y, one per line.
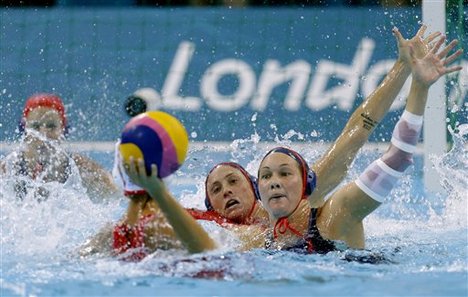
column 419, row 44
column 428, row 69
column 137, row 173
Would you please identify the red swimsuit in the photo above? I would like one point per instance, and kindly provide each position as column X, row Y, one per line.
column 126, row 238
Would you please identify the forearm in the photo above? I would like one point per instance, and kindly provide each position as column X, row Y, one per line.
column 192, row 235
column 377, row 104
column 333, row 166
column 99, row 243
column 417, row 98
column 95, row 178
column 352, row 203
column 379, row 178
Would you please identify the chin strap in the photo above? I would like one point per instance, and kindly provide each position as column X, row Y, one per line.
column 282, row 225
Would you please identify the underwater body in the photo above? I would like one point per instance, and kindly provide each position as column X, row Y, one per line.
column 416, row 241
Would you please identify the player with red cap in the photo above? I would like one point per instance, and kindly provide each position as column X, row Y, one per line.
column 41, row 157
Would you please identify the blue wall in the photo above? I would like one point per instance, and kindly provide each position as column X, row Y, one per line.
column 95, row 58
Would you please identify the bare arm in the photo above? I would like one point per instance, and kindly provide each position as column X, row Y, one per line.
column 333, row 166
column 100, row 243
column 158, row 233
column 190, row 233
column 96, row 179
column 342, row 215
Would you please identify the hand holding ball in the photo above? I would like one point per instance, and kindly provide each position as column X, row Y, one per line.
column 157, row 138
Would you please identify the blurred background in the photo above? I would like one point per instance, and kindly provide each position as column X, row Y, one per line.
column 50, row 3
column 229, row 69
column 388, row 3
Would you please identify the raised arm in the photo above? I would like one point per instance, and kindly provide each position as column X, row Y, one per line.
column 96, row 179
column 333, row 166
column 190, row 233
column 342, row 215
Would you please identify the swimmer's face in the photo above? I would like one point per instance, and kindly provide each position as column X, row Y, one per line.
column 46, row 121
column 280, row 184
column 230, row 193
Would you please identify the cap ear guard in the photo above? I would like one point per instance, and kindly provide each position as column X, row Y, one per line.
column 208, row 204
column 311, row 182
column 253, row 181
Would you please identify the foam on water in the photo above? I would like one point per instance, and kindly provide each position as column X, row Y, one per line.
column 419, row 237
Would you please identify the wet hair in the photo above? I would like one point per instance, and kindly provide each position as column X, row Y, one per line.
column 309, row 180
column 252, row 180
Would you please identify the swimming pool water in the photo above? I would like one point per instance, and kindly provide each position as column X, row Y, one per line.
column 420, row 238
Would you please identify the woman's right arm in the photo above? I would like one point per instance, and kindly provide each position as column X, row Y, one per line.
column 333, row 166
column 189, row 232
column 100, row 243
column 342, row 215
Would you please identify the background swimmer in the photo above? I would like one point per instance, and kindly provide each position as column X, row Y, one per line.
column 42, row 158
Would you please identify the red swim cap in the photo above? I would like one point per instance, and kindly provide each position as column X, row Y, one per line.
column 45, row 100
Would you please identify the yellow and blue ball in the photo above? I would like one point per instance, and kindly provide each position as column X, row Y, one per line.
column 157, row 138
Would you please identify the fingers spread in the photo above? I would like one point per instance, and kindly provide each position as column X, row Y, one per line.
column 453, row 57
column 446, row 50
column 141, row 170
column 431, row 37
column 453, row 69
column 437, row 46
column 397, row 34
column 421, row 31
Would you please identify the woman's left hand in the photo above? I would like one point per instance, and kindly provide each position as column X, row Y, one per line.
column 435, row 64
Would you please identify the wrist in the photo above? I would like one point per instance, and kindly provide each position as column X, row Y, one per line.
column 417, row 98
column 135, row 194
column 157, row 190
column 402, row 67
column 419, row 88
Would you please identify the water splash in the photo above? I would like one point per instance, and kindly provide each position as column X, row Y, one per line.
column 43, row 237
column 244, row 149
column 452, row 167
column 46, row 224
